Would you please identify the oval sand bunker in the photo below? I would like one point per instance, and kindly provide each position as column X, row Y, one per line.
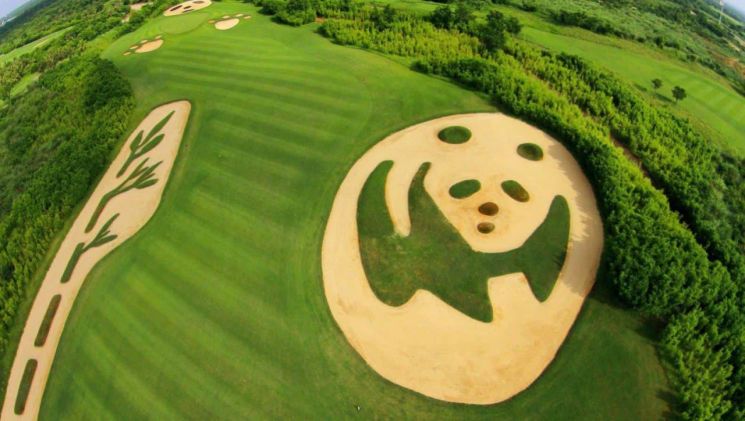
column 149, row 46
column 224, row 25
column 425, row 344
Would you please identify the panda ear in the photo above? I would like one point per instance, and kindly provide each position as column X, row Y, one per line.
column 530, row 151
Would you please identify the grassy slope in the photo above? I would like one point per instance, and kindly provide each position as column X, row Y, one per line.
column 216, row 309
column 712, row 104
column 31, row 46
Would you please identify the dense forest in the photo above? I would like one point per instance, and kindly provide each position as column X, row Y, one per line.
column 55, row 140
column 673, row 242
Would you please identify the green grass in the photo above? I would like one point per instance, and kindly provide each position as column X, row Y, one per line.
column 23, row 388
column 711, row 104
column 41, row 335
column 216, row 308
column 530, row 151
column 23, row 84
column 454, row 134
column 436, row 258
column 464, row 189
column 31, row 46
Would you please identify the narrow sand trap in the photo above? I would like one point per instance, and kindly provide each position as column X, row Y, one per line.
column 134, row 207
column 149, row 46
column 186, row 7
column 426, row 345
column 224, row 25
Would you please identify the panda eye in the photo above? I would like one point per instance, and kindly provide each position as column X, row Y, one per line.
column 464, row 189
column 530, row 151
column 515, row 191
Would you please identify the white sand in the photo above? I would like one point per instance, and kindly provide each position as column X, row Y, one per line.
column 426, row 345
column 224, row 25
column 149, row 46
column 186, row 6
column 135, row 207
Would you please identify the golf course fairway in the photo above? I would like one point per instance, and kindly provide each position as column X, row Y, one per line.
column 216, row 308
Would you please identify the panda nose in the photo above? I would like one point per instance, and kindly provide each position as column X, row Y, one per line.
column 488, row 209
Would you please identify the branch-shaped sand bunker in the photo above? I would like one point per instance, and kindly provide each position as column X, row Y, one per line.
column 138, row 191
column 104, row 236
column 141, row 178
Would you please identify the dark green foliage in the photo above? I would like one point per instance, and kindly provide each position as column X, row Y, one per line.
column 41, row 335
column 591, row 23
column 104, row 236
column 52, row 149
column 25, row 386
column 493, row 33
column 435, row 257
column 454, row 134
column 102, row 86
column 515, row 190
column 464, row 189
column 460, row 17
column 297, row 12
column 141, row 178
column 408, row 35
column 657, row 83
column 679, row 93
column 530, row 151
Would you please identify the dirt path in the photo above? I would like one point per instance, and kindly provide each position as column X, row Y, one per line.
column 426, row 345
column 135, row 207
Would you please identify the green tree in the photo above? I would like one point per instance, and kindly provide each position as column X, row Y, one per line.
column 679, row 93
column 657, row 83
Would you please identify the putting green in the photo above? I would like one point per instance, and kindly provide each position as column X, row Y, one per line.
column 216, row 308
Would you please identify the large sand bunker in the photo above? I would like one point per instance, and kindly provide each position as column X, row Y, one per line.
column 145, row 160
column 227, row 24
column 186, row 7
column 426, row 345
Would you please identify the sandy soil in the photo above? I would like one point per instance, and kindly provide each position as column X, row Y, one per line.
column 149, row 46
column 426, row 345
column 186, row 7
column 135, row 207
column 224, row 25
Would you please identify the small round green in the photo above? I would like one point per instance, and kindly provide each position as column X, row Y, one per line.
column 530, row 151
column 454, row 134
column 464, row 188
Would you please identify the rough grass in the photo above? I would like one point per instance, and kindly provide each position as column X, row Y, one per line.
column 41, row 335
column 216, row 308
column 464, row 189
column 26, row 380
column 454, row 134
